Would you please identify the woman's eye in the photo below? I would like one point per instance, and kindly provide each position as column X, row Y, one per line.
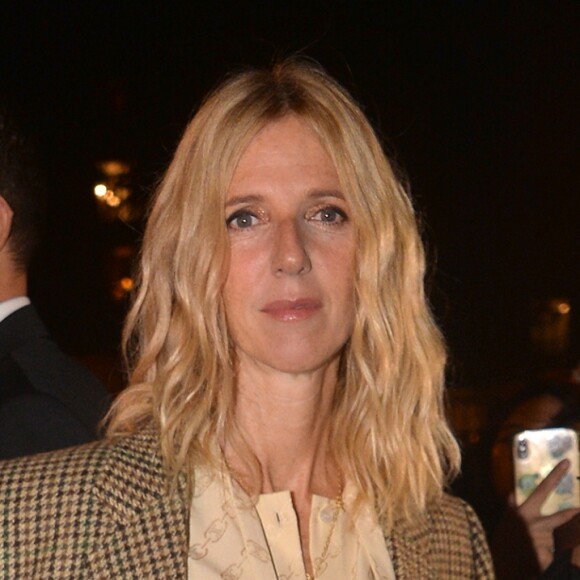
column 241, row 220
column 330, row 215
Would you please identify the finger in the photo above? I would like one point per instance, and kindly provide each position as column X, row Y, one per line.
column 560, row 518
column 534, row 502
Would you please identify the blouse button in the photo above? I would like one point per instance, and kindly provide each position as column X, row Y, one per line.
column 327, row 514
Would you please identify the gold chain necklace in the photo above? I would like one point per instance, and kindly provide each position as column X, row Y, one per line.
column 321, row 560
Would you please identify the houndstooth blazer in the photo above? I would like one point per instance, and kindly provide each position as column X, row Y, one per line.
column 103, row 510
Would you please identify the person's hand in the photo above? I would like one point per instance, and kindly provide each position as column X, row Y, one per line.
column 567, row 537
column 541, row 528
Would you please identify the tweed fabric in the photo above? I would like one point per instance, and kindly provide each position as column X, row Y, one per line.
column 104, row 510
column 447, row 542
column 96, row 511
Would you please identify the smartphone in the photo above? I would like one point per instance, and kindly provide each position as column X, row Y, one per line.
column 536, row 452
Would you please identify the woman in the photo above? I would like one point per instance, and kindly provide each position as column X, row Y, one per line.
column 285, row 416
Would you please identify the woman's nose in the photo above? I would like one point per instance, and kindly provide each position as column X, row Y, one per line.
column 290, row 251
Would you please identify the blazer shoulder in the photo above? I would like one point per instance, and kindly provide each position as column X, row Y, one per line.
column 452, row 512
column 119, row 464
column 20, row 327
column 446, row 541
column 48, row 500
column 76, row 464
column 458, row 531
column 69, row 502
column 31, row 362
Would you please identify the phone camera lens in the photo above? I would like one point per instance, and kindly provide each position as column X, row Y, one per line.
column 522, row 448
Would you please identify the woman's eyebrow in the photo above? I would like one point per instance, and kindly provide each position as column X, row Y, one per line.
column 257, row 198
column 239, row 199
column 318, row 193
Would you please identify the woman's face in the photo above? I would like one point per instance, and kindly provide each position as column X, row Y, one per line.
column 289, row 294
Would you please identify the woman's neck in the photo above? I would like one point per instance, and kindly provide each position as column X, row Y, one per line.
column 286, row 421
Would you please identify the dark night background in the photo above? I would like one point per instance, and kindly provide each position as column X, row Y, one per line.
column 477, row 101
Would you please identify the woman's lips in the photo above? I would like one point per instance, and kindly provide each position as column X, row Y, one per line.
column 292, row 310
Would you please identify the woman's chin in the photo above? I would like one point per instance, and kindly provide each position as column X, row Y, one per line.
column 296, row 361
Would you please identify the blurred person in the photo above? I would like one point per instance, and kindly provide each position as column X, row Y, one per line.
column 535, row 407
column 47, row 400
column 285, row 415
column 526, row 544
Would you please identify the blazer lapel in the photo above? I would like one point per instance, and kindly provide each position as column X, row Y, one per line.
column 147, row 523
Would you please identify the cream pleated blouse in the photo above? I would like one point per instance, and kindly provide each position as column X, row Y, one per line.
column 232, row 539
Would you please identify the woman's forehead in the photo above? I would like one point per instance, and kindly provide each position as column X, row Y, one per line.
column 289, row 150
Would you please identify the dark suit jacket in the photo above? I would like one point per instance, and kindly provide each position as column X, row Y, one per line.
column 47, row 400
column 105, row 510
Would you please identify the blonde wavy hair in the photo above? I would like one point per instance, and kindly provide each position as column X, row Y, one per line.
column 390, row 436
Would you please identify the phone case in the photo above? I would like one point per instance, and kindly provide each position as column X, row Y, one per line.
column 536, row 453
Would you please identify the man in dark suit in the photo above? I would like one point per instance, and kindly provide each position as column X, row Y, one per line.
column 47, row 400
